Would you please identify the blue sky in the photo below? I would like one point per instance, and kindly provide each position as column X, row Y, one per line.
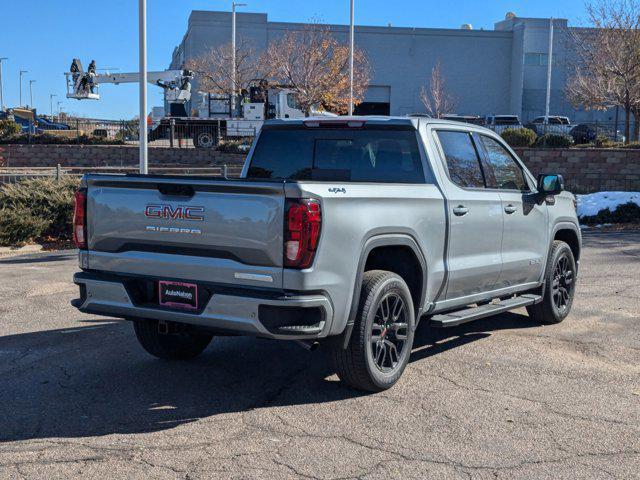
column 42, row 36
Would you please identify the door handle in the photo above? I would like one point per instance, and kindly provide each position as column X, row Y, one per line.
column 460, row 210
column 509, row 209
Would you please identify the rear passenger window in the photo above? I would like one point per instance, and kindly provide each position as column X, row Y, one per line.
column 462, row 159
column 506, row 171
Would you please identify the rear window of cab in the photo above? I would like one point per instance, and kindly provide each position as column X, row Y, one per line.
column 338, row 154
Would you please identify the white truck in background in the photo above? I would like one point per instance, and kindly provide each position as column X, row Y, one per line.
column 216, row 118
column 552, row 124
column 499, row 123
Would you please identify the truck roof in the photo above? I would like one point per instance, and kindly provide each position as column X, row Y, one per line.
column 377, row 119
column 369, row 119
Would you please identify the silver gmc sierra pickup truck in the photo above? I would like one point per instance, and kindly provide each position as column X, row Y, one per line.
column 341, row 232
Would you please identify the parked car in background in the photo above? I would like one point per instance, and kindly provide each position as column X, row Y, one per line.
column 46, row 124
column 28, row 126
column 101, row 133
column 473, row 119
column 499, row 123
column 550, row 124
column 26, row 118
column 589, row 132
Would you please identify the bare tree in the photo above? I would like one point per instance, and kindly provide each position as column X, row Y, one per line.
column 316, row 67
column 213, row 69
column 435, row 98
column 607, row 72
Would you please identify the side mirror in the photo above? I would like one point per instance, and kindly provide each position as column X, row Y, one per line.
column 552, row 184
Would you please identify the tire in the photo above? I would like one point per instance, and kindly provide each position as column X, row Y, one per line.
column 367, row 364
column 559, row 288
column 205, row 140
column 183, row 345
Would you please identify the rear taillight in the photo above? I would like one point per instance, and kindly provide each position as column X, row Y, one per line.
column 80, row 219
column 301, row 232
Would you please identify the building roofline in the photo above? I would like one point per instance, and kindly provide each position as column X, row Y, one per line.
column 199, row 17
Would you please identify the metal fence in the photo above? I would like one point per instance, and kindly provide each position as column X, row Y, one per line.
column 200, row 134
column 174, row 133
column 16, row 174
column 77, row 131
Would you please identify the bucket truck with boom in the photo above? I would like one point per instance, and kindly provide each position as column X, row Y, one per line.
column 213, row 116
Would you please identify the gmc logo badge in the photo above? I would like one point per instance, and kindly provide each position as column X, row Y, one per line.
column 174, row 213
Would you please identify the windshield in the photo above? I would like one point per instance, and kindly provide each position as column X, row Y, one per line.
column 292, row 101
column 338, row 154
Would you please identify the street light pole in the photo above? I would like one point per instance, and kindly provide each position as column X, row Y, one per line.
column 234, row 86
column 31, row 82
column 351, row 48
column 142, row 47
column 549, row 64
column 51, row 95
column 1, row 87
column 22, row 72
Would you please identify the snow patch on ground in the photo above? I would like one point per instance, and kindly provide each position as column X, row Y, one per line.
column 592, row 203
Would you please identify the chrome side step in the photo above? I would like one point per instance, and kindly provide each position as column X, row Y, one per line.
column 451, row 319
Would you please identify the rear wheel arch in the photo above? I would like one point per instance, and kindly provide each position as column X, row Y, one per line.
column 384, row 252
column 403, row 261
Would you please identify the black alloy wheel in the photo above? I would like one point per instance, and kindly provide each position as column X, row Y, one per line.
column 562, row 285
column 559, row 287
column 388, row 334
column 380, row 344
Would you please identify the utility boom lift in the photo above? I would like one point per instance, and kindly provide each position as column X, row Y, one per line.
column 214, row 115
column 84, row 85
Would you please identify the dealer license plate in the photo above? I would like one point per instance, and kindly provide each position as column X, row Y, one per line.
column 178, row 295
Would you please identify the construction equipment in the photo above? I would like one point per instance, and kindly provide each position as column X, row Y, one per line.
column 205, row 119
column 84, row 85
column 218, row 117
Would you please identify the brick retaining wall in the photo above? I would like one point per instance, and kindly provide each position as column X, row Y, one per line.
column 587, row 170
column 583, row 169
column 109, row 155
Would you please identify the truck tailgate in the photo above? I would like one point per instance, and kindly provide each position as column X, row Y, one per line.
column 218, row 231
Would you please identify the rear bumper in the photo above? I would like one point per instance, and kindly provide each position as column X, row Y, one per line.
column 245, row 313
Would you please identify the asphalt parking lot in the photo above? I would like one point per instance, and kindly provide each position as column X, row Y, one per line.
column 499, row 398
